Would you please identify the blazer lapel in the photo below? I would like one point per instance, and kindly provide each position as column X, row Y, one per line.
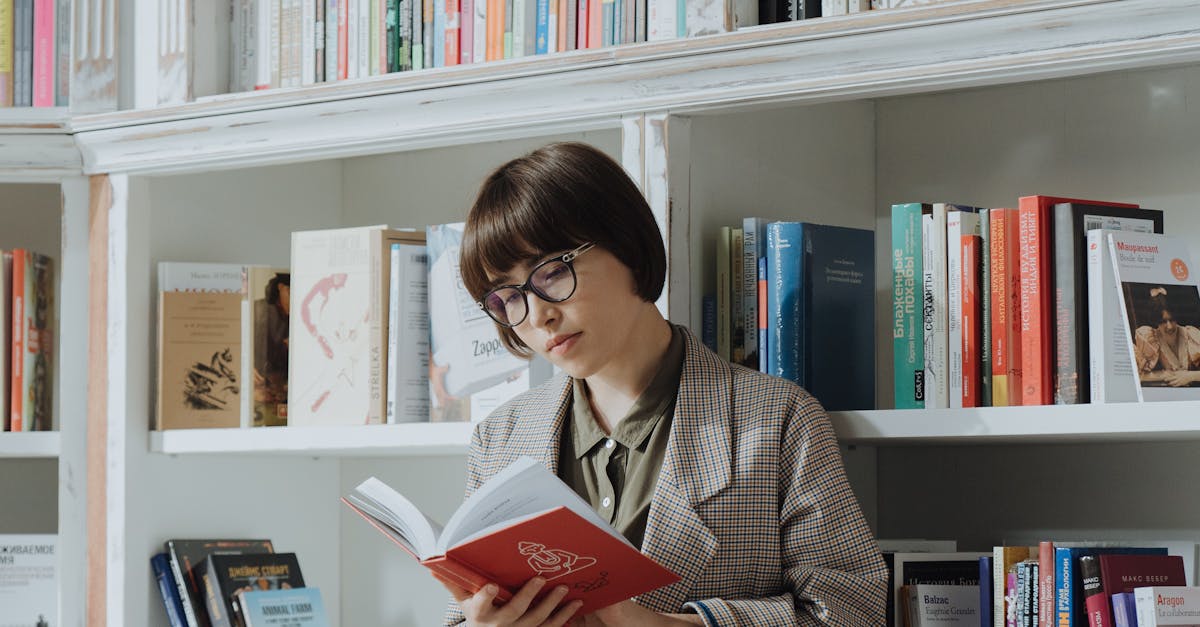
column 537, row 433
column 696, row 467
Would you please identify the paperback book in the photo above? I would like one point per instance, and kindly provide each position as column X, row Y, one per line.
column 521, row 523
column 227, row 574
column 28, row 580
column 187, row 558
column 1167, row 605
column 265, row 329
column 294, row 607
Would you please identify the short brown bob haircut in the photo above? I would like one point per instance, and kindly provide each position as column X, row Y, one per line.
column 555, row 199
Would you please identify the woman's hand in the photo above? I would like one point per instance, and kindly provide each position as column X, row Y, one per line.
column 481, row 611
column 1181, row 378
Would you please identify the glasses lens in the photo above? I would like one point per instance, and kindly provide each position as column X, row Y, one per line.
column 554, row 281
column 506, row 305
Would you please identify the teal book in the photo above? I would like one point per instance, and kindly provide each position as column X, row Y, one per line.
column 908, row 332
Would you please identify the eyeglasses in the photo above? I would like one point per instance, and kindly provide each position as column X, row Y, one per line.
column 552, row 280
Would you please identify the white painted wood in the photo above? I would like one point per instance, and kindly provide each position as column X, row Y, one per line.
column 122, row 375
column 961, row 45
column 71, row 401
column 29, row 444
column 34, row 119
column 419, row 439
column 94, row 47
column 644, row 157
column 34, row 157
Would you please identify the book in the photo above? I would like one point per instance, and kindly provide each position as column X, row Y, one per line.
column 227, row 574
column 160, row 563
column 785, row 301
column 1004, row 561
column 265, row 328
column 29, row 580
column 1037, row 285
column 1106, row 574
column 1110, row 361
column 1072, row 221
column 521, row 523
column 294, row 607
column 754, row 247
column 186, row 558
column 907, row 324
column 1160, row 297
column 959, row 568
column 934, row 307
column 1000, row 287
column 471, row 372
column 724, row 292
column 338, row 337
column 1068, row 586
column 1167, row 605
column 33, row 351
column 1124, row 610
column 934, row 605
column 5, row 333
column 408, row 335
column 961, row 222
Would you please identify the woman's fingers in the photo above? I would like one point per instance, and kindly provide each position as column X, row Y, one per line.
column 564, row 614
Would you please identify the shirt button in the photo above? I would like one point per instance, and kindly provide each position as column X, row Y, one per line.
column 608, row 443
column 606, row 502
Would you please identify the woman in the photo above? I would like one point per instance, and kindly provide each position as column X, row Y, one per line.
column 728, row 477
column 1167, row 352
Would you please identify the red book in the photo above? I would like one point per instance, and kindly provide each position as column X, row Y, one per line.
column 504, row 533
column 20, row 260
column 972, row 325
column 998, row 258
column 1037, row 296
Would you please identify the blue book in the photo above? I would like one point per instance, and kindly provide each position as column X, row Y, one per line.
column 785, row 300
column 760, row 318
column 542, row 30
column 985, row 590
column 839, row 316
column 1124, row 610
column 908, row 330
column 1068, row 587
column 161, row 565
column 290, row 607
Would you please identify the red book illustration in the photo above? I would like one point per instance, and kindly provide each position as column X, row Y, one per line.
column 522, row 523
column 1037, row 298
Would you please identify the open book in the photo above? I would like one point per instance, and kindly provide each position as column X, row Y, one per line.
column 521, row 523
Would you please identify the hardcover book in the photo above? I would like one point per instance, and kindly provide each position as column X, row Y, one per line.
column 265, row 328
column 471, row 372
column 1159, row 606
column 521, row 523
column 225, row 575
column 935, row 605
column 908, row 335
column 32, row 341
column 29, row 580
column 187, row 558
column 1068, row 587
column 295, row 607
column 1160, row 297
column 939, row 569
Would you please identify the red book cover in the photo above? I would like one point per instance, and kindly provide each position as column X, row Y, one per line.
column 1037, row 296
column 972, row 327
column 17, row 371
column 1123, row 573
column 453, row 30
column 1045, row 584
column 998, row 258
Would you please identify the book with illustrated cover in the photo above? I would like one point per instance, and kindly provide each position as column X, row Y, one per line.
column 227, row 574
column 29, row 580
column 521, row 523
column 187, row 559
column 265, row 328
column 338, row 324
column 1160, row 297
column 199, row 346
column 33, row 318
column 286, row 607
column 471, row 373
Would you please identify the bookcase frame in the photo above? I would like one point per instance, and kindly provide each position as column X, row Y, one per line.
column 648, row 95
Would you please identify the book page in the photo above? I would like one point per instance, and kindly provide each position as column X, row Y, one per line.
column 522, row 489
column 391, row 508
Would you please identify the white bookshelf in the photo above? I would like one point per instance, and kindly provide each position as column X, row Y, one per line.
column 832, row 120
column 31, row 444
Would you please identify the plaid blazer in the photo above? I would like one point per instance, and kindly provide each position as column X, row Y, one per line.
column 752, row 507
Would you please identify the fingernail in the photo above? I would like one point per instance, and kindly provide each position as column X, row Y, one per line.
column 538, row 581
column 561, row 589
column 492, row 589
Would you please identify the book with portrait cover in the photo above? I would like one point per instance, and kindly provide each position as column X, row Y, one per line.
column 1160, row 299
column 28, row 580
column 471, row 373
column 226, row 574
column 521, row 523
column 187, row 558
column 265, row 326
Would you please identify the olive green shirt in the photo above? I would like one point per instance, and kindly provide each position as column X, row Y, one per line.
column 617, row 473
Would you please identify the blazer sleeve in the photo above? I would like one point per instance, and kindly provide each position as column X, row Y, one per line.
column 454, row 615
column 833, row 572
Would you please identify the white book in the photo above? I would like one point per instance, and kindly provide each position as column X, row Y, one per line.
column 28, row 580
column 181, row 276
column 471, row 372
column 1160, row 299
column 408, row 335
column 958, row 223
column 936, row 605
column 662, row 19
column 308, row 42
column 955, row 567
column 1167, row 605
column 1109, row 358
column 478, row 32
column 934, row 308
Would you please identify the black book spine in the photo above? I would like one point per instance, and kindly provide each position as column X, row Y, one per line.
column 1069, row 334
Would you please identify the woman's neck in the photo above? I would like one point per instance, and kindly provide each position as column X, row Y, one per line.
column 614, row 389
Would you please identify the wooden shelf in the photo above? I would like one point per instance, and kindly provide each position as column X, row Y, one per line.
column 34, row 119
column 885, row 53
column 1117, row 422
column 450, row 438
column 29, row 444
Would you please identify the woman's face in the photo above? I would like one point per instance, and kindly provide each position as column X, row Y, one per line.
column 590, row 330
column 1167, row 325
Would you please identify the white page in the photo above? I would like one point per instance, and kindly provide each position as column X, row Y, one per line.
column 393, row 509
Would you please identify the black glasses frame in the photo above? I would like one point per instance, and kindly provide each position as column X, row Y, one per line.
column 528, row 286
